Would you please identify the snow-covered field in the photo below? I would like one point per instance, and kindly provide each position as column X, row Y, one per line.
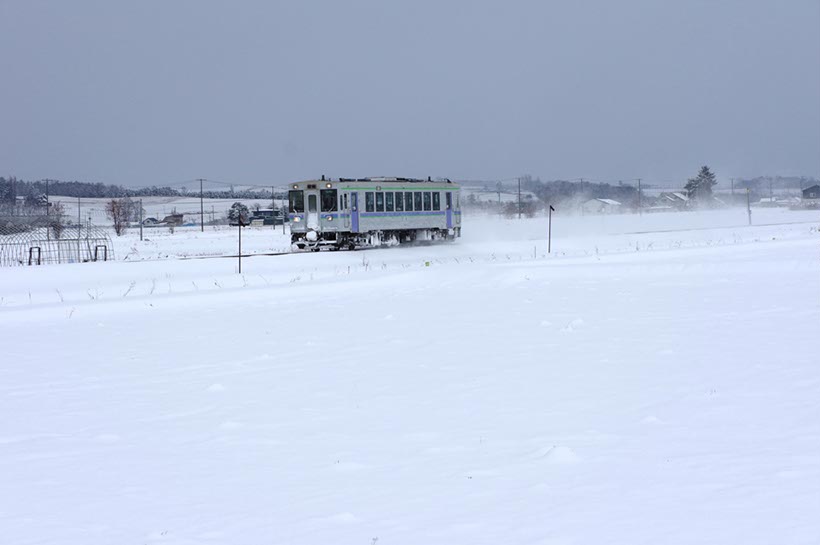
column 654, row 379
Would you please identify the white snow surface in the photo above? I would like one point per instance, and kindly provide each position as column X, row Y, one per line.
column 654, row 379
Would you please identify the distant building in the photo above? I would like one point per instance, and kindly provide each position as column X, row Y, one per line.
column 659, row 208
column 811, row 198
column 173, row 219
column 780, row 201
column 812, row 193
column 267, row 216
column 675, row 199
column 767, row 202
column 475, row 196
column 601, row 206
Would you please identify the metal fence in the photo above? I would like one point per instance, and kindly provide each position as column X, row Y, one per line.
column 41, row 240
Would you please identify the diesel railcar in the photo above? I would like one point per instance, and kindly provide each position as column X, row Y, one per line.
column 353, row 213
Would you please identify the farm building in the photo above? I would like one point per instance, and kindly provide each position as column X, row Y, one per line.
column 675, row 199
column 601, row 206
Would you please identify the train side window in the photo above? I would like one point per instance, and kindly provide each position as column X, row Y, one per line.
column 369, row 202
column 417, row 201
column 379, row 201
column 388, row 201
column 436, row 201
column 330, row 200
column 449, row 200
column 399, row 202
column 344, row 201
column 296, row 201
column 408, row 201
column 427, row 200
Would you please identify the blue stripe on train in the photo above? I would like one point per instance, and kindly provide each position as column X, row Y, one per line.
column 396, row 214
column 377, row 214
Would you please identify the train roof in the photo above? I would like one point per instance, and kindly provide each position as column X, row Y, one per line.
column 380, row 179
column 395, row 179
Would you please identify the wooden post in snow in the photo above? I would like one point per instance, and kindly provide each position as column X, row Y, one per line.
column 549, row 231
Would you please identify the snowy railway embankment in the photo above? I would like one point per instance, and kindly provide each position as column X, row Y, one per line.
column 145, row 272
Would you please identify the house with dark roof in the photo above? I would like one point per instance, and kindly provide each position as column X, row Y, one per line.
column 812, row 193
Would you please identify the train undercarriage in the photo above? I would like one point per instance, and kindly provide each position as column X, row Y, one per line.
column 333, row 240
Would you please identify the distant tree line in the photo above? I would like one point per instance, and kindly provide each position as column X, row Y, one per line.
column 560, row 191
column 12, row 187
column 27, row 197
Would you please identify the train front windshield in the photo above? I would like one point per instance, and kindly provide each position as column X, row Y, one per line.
column 296, row 201
column 329, row 200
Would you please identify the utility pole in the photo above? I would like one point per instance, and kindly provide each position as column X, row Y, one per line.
column 140, row 220
column 79, row 227
column 748, row 206
column 48, row 233
column 640, row 199
column 201, row 207
column 273, row 207
column 733, row 187
column 240, row 242
column 582, row 188
column 519, row 197
column 284, row 209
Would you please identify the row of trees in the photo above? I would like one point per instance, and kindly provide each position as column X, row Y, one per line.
column 580, row 191
column 32, row 193
column 11, row 188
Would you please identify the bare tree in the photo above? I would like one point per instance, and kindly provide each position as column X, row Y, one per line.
column 132, row 209
column 117, row 212
column 57, row 219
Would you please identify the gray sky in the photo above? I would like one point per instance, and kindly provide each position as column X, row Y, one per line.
column 155, row 92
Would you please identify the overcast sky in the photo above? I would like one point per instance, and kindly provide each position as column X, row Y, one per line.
column 157, row 92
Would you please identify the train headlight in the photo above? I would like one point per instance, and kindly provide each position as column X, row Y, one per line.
column 329, row 218
column 296, row 219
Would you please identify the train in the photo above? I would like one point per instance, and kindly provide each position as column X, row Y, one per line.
column 352, row 213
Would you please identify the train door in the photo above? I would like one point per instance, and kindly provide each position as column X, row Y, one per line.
column 458, row 208
column 312, row 210
column 449, row 207
column 354, row 212
column 345, row 208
